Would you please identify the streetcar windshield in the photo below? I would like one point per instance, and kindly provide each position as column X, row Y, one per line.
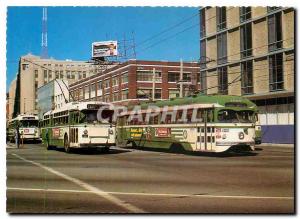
column 90, row 116
column 232, row 116
column 28, row 123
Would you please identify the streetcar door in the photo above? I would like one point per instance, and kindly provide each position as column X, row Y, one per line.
column 201, row 143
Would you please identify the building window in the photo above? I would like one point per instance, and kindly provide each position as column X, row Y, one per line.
column 61, row 75
column 246, row 40
column 147, row 94
column 276, row 72
column 115, row 81
column 68, row 75
column 203, row 83
column 124, row 94
column 84, row 75
column 50, row 74
column 106, row 83
column 73, row 74
column 202, row 23
column 173, row 76
column 124, row 78
column 45, row 74
column 223, row 80
column 116, row 96
column 245, row 14
column 173, row 94
column 99, row 88
column 148, row 76
column 36, row 73
column 270, row 9
column 93, row 90
column 247, row 77
column 56, row 74
column 187, row 77
column 221, row 18
column 87, row 92
column 202, row 54
column 274, row 32
column 80, row 93
column 107, row 98
column 79, row 75
column 24, row 66
column 222, row 48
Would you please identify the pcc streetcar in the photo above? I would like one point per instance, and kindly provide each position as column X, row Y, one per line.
column 212, row 123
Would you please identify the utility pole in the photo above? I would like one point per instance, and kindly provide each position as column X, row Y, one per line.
column 181, row 79
column 153, row 84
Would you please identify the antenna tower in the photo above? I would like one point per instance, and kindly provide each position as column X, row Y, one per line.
column 44, row 53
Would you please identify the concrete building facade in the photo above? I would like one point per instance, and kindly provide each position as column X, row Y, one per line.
column 132, row 81
column 35, row 72
column 249, row 51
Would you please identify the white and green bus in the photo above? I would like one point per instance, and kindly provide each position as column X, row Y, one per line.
column 76, row 125
column 214, row 123
column 28, row 128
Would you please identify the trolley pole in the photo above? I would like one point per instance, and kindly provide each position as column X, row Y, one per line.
column 181, row 79
column 153, row 84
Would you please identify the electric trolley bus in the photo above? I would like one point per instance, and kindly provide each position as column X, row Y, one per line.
column 28, row 128
column 213, row 123
column 77, row 125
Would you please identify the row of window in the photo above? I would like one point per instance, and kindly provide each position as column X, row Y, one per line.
column 276, row 81
column 48, row 74
column 67, row 65
column 274, row 36
column 201, row 115
column 221, row 17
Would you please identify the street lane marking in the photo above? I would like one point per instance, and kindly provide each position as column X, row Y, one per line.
column 87, row 186
column 153, row 194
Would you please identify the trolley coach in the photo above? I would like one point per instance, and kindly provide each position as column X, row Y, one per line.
column 212, row 123
column 77, row 125
column 28, row 128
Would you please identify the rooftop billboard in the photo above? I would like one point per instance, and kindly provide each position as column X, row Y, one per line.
column 104, row 49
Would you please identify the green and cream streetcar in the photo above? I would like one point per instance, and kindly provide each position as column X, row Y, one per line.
column 212, row 123
column 77, row 125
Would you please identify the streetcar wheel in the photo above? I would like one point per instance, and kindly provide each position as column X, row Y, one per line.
column 66, row 144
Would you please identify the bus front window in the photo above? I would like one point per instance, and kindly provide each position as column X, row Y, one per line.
column 28, row 123
column 91, row 116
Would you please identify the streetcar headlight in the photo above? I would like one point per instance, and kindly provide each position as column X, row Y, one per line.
column 111, row 132
column 85, row 132
column 241, row 135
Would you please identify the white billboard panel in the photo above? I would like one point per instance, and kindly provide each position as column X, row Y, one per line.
column 104, row 49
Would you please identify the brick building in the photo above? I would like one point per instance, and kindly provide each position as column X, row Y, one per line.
column 34, row 72
column 249, row 51
column 133, row 81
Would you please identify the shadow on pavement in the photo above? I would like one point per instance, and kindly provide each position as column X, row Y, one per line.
column 232, row 153
column 93, row 151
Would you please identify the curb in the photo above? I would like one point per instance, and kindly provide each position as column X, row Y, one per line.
column 276, row 145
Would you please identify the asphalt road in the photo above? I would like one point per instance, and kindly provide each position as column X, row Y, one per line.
column 139, row 181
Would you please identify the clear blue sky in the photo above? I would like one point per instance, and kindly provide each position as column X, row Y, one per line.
column 71, row 31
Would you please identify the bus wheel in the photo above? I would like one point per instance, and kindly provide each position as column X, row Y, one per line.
column 66, row 144
column 105, row 149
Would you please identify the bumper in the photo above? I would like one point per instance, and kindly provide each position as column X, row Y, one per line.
column 95, row 145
